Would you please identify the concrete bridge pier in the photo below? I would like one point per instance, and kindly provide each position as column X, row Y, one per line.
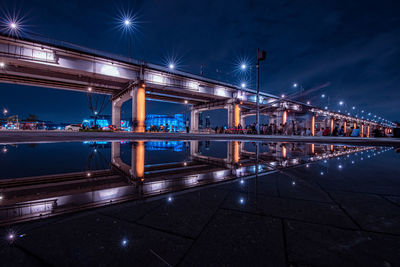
column 138, row 95
column 233, row 114
column 116, row 159
column 233, row 119
column 138, row 155
column 194, row 120
column 116, row 108
column 136, row 169
column 233, row 152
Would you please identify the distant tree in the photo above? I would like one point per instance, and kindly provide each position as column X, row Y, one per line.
column 97, row 103
column 32, row 118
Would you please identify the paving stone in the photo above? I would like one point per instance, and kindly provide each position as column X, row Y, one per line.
column 394, row 199
column 300, row 186
column 318, row 245
column 186, row 214
column 371, row 212
column 11, row 255
column 265, row 185
column 238, row 239
column 131, row 211
column 317, row 212
column 96, row 240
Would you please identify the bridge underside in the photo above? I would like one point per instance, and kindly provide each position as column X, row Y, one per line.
column 30, row 62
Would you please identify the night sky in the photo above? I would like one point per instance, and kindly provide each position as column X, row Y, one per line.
column 348, row 50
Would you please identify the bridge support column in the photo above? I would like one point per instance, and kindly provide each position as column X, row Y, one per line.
column 116, row 113
column 116, row 159
column 312, row 126
column 233, row 152
column 194, row 120
column 139, row 108
column 137, row 164
column 194, row 148
column 233, row 114
column 116, row 108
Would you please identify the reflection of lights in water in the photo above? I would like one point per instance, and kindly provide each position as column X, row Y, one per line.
column 192, row 180
column 108, row 193
column 322, row 173
column 4, row 150
column 362, row 158
column 242, row 181
column 219, row 174
column 340, row 166
column 352, row 162
column 169, row 199
column 241, row 200
column 293, row 183
column 10, row 237
column 124, row 242
column 325, row 161
column 308, row 165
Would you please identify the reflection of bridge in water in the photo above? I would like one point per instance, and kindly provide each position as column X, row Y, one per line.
column 35, row 197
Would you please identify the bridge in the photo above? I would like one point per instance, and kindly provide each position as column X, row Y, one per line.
column 65, row 66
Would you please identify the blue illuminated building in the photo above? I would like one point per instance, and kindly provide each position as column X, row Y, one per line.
column 175, row 122
column 176, row 146
column 104, row 122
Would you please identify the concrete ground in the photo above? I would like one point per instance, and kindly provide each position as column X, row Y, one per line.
column 294, row 218
column 15, row 137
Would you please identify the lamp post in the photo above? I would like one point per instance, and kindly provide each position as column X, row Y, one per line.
column 261, row 55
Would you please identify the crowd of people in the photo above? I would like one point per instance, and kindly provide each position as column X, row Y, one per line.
column 295, row 128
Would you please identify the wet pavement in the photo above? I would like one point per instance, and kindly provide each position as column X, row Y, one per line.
column 339, row 210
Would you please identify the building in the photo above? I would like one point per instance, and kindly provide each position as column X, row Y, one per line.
column 170, row 123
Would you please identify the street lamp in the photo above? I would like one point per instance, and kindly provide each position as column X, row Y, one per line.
column 341, row 103
column 171, row 66
column 295, row 85
column 243, row 85
column 261, row 55
column 243, row 66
